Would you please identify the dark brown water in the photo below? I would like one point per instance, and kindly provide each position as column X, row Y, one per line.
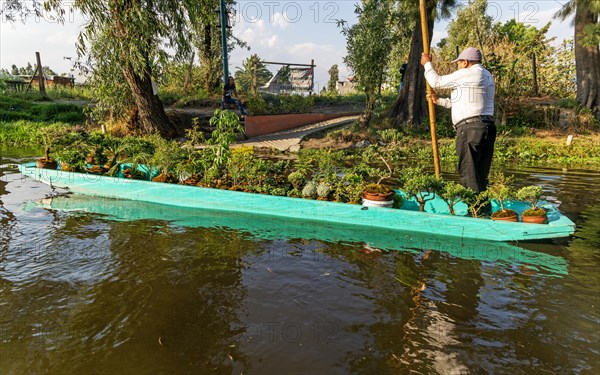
column 87, row 293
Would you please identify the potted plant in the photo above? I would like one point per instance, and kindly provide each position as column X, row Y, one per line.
column 420, row 186
column 115, row 148
column 47, row 138
column 166, row 156
column 310, row 190
column 500, row 189
column 96, row 158
column 475, row 201
column 323, row 190
column 72, row 159
column 380, row 193
column 451, row 193
column 534, row 214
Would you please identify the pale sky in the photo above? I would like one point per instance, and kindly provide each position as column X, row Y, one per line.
column 287, row 31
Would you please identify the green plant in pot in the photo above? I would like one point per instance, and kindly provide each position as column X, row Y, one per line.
column 349, row 188
column 532, row 195
column 310, row 190
column 379, row 192
column 500, row 189
column 167, row 155
column 96, row 158
column 475, row 201
column 114, row 149
column 137, row 152
column 48, row 137
column 451, row 193
column 420, row 185
column 72, row 160
column 323, row 190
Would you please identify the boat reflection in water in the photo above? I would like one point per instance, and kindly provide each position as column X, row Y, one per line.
column 275, row 228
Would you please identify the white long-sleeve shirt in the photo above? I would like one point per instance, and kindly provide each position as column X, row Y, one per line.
column 473, row 91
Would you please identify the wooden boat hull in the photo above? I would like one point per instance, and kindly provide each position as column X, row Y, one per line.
column 263, row 227
column 435, row 221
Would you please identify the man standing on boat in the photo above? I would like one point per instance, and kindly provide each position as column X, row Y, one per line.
column 472, row 103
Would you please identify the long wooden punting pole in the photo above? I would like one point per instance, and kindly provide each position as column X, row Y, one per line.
column 431, row 105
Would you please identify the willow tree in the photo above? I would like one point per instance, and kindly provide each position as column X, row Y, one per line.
column 410, row 105
column 124, row 45
column 587, row 52
column 369, row 43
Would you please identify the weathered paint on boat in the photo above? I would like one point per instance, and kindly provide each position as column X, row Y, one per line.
column 273, row 228
column 435, row 221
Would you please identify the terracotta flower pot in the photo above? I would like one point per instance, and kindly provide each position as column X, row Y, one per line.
column 535, row 219
column 379, row 197
column 513, row 218
column 46, row 164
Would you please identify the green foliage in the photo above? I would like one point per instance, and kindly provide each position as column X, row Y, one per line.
column 240, row 164
column 51, row 137
column 126, row 44
column 590, row 30
column 477, row 33
column 244, row 76
column 500, row 188
column 368, row 43
column 419, row 185
column 227, row 126
column 280, row 104
column 530, row 194
column 72, row 159
column 393, row 136
column 310, row 190
column 323, row 190
column 15, row 109
column 20, row 133
column 534, row 212
column 475, row 201
column 451, row 193
column 297, row 179
column 349, row 188
column 334, row 77
column 295, row 104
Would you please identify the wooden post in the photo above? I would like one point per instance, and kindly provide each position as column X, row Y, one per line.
column 431, row 105
column 41, row 74
column 254, row 80
column 312, row 76
column 535, row 82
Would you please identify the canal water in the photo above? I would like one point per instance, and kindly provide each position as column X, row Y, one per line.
column 100, row 286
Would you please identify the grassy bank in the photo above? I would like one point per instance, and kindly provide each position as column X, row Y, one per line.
column 15, row 109
column 532, row 150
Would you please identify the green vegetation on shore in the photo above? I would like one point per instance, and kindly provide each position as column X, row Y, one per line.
column 16, row 109
column 21, row 120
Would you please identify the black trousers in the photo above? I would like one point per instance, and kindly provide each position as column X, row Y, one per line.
column 475, row 148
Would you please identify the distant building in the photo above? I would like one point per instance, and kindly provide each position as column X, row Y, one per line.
column 50, row 80
column 346, row 87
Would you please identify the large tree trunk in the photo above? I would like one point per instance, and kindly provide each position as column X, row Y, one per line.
column 151, row 114
column 188, row 73
column 411, row 106
column 587, row 62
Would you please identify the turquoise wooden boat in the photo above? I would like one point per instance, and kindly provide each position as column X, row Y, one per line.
column 264, row 227
column 435, row 221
